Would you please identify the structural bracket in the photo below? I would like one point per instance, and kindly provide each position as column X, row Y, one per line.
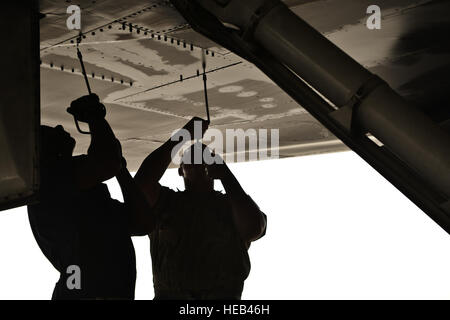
column 345, row 115
column 259, row 14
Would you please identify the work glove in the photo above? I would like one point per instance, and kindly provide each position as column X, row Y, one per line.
column 217, row 170
column 87, row 108
column 190, row 127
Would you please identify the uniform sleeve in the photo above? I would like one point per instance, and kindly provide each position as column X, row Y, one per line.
column 226, row 203
column 265, row 225
column 263, row 233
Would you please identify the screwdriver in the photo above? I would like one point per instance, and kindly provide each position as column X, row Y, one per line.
column 80, row 57
column 83, row 70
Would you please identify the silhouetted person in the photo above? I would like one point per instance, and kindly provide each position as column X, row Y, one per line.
column 82, row 231
column 198, row 237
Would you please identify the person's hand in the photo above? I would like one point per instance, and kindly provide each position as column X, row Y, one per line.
column 87, row 108
column 196, row 121
column 217, row 170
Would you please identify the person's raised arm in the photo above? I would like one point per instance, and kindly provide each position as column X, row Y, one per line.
column 154, row 166
column 104, row 158
column 249, row 220
column 141, row 216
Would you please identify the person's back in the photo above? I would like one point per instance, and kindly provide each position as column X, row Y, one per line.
column 196, row 250
column 86, row 229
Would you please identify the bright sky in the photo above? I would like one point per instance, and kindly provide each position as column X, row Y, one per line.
column 336, row 230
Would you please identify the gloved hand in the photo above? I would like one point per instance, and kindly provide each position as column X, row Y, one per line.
column 87, row 108
column 190, row 127
column 218, row 169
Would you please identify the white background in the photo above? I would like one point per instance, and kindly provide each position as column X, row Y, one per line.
column 336, row 230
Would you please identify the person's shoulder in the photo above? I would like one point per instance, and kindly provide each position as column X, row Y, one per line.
column 168, row 199
column 220, row 195
column 220, row 198
column 169, row 195
column 58, row 180
column 78, row 158
column 171, row 191
column 76, row 162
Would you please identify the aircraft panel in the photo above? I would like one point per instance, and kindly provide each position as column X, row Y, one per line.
column 148, row 75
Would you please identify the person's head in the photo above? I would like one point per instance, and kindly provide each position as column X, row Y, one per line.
column 56, row 143
column 193, row 169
